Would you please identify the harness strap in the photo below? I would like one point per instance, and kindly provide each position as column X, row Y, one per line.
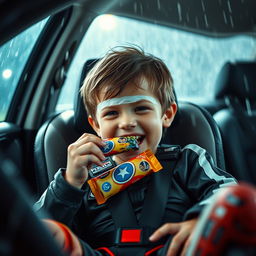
column 151, row 216
column 158, row 191
column 122, row 211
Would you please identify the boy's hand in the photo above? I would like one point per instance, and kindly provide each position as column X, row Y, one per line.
column 56, row 229
column 81, row 154
column 182, row 235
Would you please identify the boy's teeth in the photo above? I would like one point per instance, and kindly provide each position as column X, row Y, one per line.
column 139, row 138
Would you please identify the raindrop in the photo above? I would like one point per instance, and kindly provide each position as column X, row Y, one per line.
column 206, row 21
column 8, row 54
column 141, row 9
column 179, row 11
column 158, row 5
column 231, row 21
column 246, row 85
column 225, row 17
column 187, row 16
column 135, row 7
column 197, row 22
column 25, row 77
column 229, row 7
column 62, row 22
column 248, row 107
column 203, row 6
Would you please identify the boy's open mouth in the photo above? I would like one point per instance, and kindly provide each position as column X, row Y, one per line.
column 140, row 139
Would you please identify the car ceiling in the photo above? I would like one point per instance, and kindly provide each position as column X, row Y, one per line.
column 210, row 17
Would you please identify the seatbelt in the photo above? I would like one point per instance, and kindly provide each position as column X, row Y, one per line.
column 122, row 211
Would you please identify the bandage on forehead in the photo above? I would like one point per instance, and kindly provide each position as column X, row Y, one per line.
column 125, row 100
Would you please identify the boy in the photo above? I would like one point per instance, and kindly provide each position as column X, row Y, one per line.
column 130, row 93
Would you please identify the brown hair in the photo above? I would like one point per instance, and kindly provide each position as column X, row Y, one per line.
column 122, row 66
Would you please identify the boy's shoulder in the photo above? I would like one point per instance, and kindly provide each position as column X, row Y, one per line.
column 168, row 152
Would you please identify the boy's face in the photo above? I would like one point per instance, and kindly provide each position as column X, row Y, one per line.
column 141, row 117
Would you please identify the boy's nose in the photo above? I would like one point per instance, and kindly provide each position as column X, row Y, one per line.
column 127, row 122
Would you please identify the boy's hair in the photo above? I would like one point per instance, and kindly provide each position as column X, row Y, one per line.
column 122, row 66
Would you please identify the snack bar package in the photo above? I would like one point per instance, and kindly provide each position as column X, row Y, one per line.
column 120, row 144
column 96, row 170
column 120, row 177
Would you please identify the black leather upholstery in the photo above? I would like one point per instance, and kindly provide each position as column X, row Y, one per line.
column 236, row 85
column 192, row 124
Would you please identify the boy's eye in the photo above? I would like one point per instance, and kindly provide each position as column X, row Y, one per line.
column 110, row 113
column 141, row 108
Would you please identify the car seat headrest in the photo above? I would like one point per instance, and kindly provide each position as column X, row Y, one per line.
column 237, row 80
column 80, row 116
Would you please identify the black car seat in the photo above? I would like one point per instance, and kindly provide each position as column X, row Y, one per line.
column 236, row 86
column 192, row 125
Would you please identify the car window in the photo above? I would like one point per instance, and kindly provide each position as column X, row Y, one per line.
column 194, row 60
column 13, row 57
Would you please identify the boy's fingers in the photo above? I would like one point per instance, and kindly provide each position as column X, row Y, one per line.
column 166, row 229
column 90, row 138
column 177, row 243
column 185, row 248
column 87, row 160
column 85, row 138
column 90, row 148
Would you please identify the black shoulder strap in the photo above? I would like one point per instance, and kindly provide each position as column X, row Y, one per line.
column 121, row 210
column 157, row 193
column 157, row 196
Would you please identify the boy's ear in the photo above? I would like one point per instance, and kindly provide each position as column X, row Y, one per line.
column 169, row 115
column 94, row 124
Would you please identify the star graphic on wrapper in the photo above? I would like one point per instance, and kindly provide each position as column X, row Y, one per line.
column 108, row 147
column 123, row 172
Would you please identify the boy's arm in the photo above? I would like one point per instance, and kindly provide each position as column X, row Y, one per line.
column 68, row 241
column 203, row 179
column 61, row 200
column 64, row 195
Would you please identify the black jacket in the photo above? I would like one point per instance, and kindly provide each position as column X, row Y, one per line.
column 193, row 182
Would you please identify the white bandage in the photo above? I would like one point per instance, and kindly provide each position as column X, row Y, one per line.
column 124, row 100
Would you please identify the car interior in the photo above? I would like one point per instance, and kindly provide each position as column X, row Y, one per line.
column 61, row 130
column 235, row 87
column 35, row 133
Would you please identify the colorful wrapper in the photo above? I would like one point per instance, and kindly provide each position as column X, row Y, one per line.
column 120, row 177
column 96, row 170
column 120, row 144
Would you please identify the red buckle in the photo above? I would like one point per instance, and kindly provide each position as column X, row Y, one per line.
column 133, row 236
column 130, row 236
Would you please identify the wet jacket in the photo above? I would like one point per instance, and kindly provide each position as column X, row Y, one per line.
column 193, row 181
